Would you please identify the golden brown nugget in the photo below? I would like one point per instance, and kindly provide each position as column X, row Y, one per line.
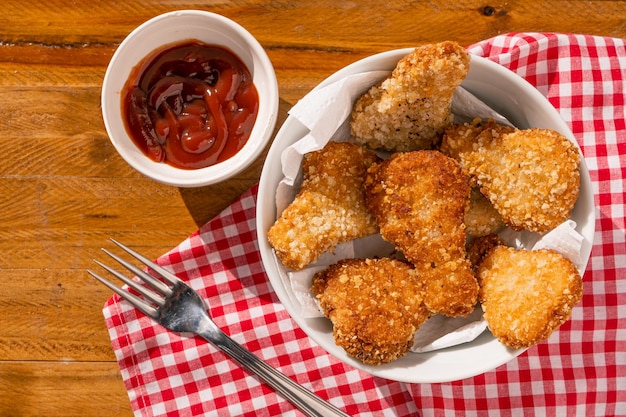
column 479, row 247
column 375, row 306
column 419, row 200
column 530, row 176
column 526, row 295
column 329, row 209
column 411, row 108
column 481, row 218
column 460, row 139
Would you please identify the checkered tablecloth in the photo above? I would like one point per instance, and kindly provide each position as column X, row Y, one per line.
column 579, row 371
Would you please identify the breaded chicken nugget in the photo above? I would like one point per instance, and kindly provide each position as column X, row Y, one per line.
column 479, row 247
column 419, row 200
column 330, row 207
column 375, row 306
column 459, row 139
column 526, row 295
column 481, row 218
column 411, row 108
column 530, row 176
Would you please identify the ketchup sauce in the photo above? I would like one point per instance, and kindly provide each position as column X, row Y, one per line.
column 190, row 105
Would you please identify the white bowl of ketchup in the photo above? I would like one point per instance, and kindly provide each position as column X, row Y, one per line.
column 190, row 98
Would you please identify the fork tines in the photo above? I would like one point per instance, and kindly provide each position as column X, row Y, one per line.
column 158, row 290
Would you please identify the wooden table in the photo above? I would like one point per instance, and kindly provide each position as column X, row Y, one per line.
column 64, row 190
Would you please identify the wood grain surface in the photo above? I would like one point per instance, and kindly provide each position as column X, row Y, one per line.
column 64, row 190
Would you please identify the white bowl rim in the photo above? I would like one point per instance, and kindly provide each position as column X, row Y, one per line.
column 263, row 128
column 427, row 369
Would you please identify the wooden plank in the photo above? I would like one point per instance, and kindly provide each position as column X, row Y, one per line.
column 53, row 316
column 62, row 389
column 314, row 23
column 57, row 223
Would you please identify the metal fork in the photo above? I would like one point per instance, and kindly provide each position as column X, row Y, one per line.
column 176, row 306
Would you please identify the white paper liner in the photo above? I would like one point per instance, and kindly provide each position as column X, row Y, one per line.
column 326, row 113
column 440, row 332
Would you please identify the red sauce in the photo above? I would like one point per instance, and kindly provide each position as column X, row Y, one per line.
column 190, row 105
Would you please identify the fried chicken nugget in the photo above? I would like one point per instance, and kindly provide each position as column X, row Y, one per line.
column 479, row 247
column 460, row 139
column 526, row 295
column 375, row 306
column 419, row 200
column 411, row 108
column 530, row 176
column 481, row 218
column 330, row 207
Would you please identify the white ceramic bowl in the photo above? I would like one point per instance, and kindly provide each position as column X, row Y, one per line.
column 512, row 97
column 171, row 28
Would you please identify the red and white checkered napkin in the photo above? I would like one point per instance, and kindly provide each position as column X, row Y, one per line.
column 580, row 370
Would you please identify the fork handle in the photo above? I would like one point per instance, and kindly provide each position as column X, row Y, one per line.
column 306, row 401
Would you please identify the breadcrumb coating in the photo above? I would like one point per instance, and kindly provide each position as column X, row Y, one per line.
column 419, row 200
column 411, row 108
column 330, row 207
column 526, row 295
column 479, row 247
column 530, row 176
column 481, row 218
column 375, row 306
column 459, row 140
